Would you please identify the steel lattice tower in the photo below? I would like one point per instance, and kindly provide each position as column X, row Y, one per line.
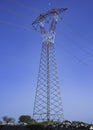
column 48, row 104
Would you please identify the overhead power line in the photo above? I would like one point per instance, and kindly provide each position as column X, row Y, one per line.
column 79, row 34
column 14, row 12
column 78, row 59
column 22, row 5
column 75, row 43
column 14, row 24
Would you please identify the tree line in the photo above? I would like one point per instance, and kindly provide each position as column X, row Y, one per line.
column 22, row 119
column 27, row 120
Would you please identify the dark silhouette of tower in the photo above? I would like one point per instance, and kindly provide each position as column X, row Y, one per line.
column 48, row 104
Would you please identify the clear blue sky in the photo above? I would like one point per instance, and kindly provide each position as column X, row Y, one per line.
column 20, row 48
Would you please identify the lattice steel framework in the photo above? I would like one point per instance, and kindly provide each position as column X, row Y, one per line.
column 48, row 104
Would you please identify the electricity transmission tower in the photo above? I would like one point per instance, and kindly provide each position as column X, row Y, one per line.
column 48, row 104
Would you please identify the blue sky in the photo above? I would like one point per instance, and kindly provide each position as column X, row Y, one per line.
column 20, row 48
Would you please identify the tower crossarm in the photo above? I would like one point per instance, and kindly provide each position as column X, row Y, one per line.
column 55, row 11
column 43, row 16
column 49, row 36
column 48, row 13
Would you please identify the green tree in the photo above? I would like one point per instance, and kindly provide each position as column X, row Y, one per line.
column 26, row 119
column 7, row 119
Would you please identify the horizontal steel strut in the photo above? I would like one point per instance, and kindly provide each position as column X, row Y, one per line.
column 48, row 13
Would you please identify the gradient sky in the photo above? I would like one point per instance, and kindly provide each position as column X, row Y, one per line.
column 20, row 48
